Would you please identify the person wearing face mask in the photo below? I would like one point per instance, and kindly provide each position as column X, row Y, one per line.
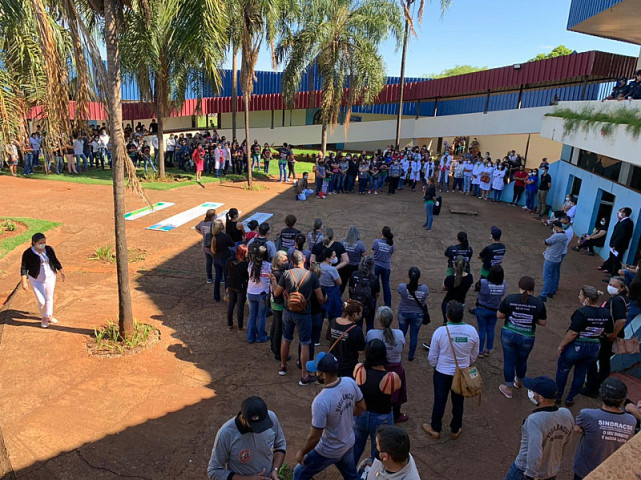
column 467, row 176
column 393, row 459
column 249, row 446
column 363, row 176
column 531, row 187
column 303, row 192
column 617, row 305
column 520, row 177
column 330, row 282
column 477, row 171
column 619, row 241
column 498, row 182
column 415, row 172
column 580, row 345
column 394, row 176
column 458, row 175
column 595, row 239
column 405, row 168
column 545, row 434
column 553, row 256
column 428, row 168
column 544, row 188
column 39, row 268
column 319, row 175
column 331, row 438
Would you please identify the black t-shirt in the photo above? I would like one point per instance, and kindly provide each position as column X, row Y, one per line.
column 376, row 401
column 287, row 237
column 352, row 169
column 237, row 275
column 454, row 251
column 306, row 288
column 492, row 255
column 590, row 322
column 223, row 242
column 457, row 293
column 618, row 308
column 232, row 230
column 522, row 317
column 337, row 247
column 545, row 180
column 346, row 350
column 599, row 242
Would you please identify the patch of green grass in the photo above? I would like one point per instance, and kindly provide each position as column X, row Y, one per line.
column 108, row 340
column 106, row 253
column 34, row 225
column 8, row 226
column 587, row 118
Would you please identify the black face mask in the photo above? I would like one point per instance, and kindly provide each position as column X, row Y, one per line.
column 377, row 456
column 320, row 379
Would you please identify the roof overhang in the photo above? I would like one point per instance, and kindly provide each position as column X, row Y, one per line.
column 613, row 19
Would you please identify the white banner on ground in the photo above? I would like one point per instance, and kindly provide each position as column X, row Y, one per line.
column 259, row 217
column 180, row 219
column 141, row 212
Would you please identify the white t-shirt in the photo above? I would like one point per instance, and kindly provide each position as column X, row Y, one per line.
column 78, row 146
column 466, row 346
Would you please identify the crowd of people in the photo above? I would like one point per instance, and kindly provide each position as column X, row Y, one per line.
column 305, row 281
column 623, row 90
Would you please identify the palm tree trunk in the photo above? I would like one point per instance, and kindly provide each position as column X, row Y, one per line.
column 234, row 92
column 324, row 137
column 310, row 86
column 401, row 86
column 160, row 154
column 247, row 144
column 114, row 106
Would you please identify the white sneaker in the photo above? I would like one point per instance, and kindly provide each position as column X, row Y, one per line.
column 53, row 320
column 44, row 324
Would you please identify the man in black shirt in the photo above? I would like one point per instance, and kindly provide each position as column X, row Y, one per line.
column 619, row 241
column 492, row 254
column 544, row 188
column 352, row 172
column 288, row 234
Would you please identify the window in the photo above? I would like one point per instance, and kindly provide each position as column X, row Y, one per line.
column 605, row 206
column 635, row 179
column 600, row 165
column 576, row 188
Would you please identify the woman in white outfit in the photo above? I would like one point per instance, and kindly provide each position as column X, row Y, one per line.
column 39, row 268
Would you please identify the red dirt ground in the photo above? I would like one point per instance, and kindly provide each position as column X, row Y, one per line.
column 67, row 415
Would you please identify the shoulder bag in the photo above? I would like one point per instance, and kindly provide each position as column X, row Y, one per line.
column 426, row 313
column 467, row 381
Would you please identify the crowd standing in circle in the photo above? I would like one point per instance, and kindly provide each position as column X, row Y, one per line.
column 314, row 279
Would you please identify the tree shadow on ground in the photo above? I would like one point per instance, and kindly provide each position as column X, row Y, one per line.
column 177, row 445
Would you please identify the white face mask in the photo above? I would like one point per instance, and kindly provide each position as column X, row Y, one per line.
column 40, row 246
column 612, row 290
column 334, row 261
column 530, row 395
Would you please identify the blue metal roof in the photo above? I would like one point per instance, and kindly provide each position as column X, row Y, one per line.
column 581, row 10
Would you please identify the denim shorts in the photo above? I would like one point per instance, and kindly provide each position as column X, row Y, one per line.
column 301, row 321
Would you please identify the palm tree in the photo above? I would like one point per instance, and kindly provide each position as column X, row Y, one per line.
column 259, row 20
column 342, row 37
column 408, row 7
column 167, row 46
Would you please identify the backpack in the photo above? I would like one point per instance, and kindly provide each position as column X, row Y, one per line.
column 252, row 251
column 363, row 291
column 207, row 236
column 295, row 301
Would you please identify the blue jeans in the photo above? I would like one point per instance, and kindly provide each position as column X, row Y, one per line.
column 282, row 172
column 444, row 182
column 497, row 195
column 516, row 350
column 339, row 182
column 429, row 210
column 220, row 265
column 530, row 199
column 28, row 164
column 315, row 463
column 59, row 164
column 458, row 182
column 362, row 184
column 467, row 183
column 551, row 275
column 99, row 156
column 413, row 321
column 476, row 190
column 381, row 182
column 365, row 426
column 514, row 473
column 383, row 274
column 486, row 320
column 319, row 186
column 209, row 262
column 83, row 157
column 150, row 162
column 350, row 180
column 373, row 182
column 581, row 356
column 305, row 194
column 443, row 388
column 256, row 322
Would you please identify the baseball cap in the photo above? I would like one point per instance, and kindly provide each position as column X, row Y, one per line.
column 613, row 389
column 255, row 412
column 544, row 386
column 324, row 362
column 496, row 232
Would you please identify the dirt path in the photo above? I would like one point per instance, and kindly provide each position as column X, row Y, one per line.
column 65, row 414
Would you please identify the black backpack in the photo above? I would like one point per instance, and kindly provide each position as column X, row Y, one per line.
column 363, row 292
column 252, row 251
